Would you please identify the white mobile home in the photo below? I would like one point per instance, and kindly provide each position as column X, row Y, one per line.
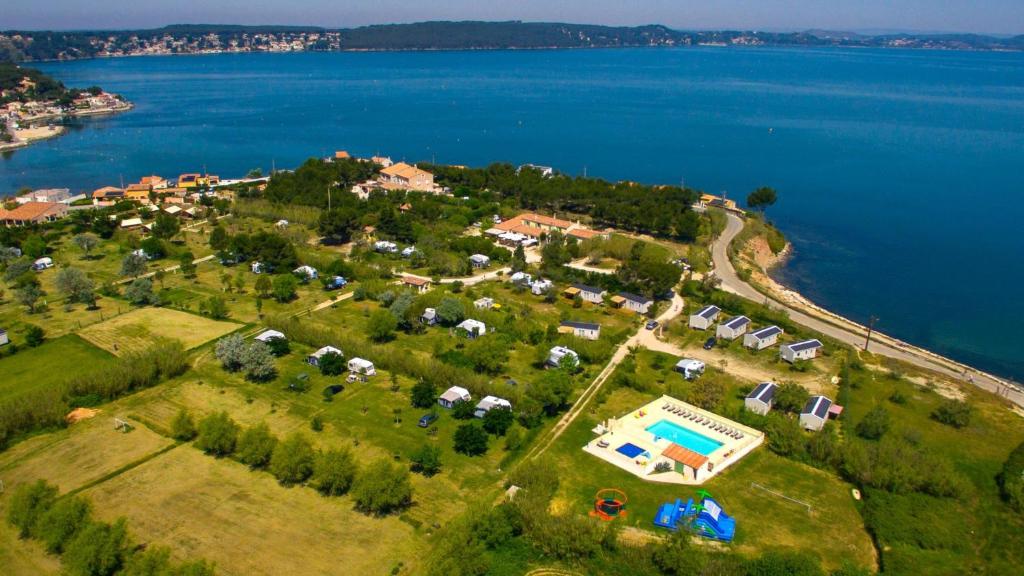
column 485, row 303
column 690, row 368
column 733, row 328
column 558, row 353
column 42, row 263
column 489, row 403
column 803, row 350
column 361, row 366
column 541, row 286
column 815, row 413
column 453, row 396
column 759, row 401
column 590, row 294
column 634, row 302
column 584, row 330
column 705, row 317
column 314, row 358
column 473, row 328
column 762, row 338
column 429, row 317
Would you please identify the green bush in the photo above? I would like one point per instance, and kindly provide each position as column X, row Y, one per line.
column 955, row 413
column 58, row 525
column 1011, row 479
column 183, row 428
column 426, row 460
column 382, row 488
column 292, row 460
column 99, row 549
column 217, row 434
column 334, row 471
column 256, row 446
column 471, row 439
column 28, row 503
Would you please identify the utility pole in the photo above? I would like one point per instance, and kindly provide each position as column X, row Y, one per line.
column 871, row 327
column 328, row 197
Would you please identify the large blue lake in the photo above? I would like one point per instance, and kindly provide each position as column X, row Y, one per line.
column 899, row 172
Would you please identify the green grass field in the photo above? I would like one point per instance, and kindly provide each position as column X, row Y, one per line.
column 136, row 330
column 50, row 364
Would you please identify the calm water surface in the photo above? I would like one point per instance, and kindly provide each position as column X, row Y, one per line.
column 899, row 172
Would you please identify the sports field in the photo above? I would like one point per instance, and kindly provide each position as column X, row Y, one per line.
column 137, row 329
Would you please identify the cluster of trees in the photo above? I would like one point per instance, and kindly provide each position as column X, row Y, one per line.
column 657, row 210
column 272, row 250
column 46, row 407
column 88, row 547
column 255, row 359
column 381, row 488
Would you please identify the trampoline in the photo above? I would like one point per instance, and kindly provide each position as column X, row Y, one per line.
column 609, row 504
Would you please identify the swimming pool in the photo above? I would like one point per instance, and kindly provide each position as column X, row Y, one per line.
column 685, row 437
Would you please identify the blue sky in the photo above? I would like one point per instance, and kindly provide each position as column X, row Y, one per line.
column 986, row 16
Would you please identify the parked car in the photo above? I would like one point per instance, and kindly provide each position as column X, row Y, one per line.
column 710, row 343
column 427, row 419
column 652, row 325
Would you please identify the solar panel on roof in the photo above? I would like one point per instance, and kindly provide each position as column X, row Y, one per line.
column 708, row 312
column 768, row 332
column 805, row 345
column 821, row 411
column 764, row 392
column 737, row 322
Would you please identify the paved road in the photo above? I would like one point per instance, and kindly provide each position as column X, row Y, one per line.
column 849, row 332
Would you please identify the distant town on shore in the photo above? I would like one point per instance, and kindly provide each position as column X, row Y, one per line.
column 212, row 39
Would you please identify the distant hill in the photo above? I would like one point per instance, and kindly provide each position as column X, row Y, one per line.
column 468, row 35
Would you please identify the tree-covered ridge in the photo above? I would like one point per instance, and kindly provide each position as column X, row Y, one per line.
column 18, row 84
column 187, row 39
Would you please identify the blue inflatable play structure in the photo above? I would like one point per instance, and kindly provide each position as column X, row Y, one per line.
column 706, row 519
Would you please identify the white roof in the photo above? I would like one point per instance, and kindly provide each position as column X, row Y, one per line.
column 689, row 363
column 305, row 270
column 469, row 325
column 455, row 393
column 172, row 209
column 129, row 222
column 269, row 335
column 479, row 258
column 44, row 260
column 361, row 362
column 326, row 350
column 493, row 401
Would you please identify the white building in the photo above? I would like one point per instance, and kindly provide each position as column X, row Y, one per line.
column 803, row 350
column 361, row 366
column 453, row 396
column 733, row 328
column 690, row 368
column 759, row 401
column 479, row 261
column 385, row 247
column 307, row 272
column 762, row 338
column 489, row 403
column 485, row 303
column 473, row 328
column 557, row 353
column 268, row 335
column 429, row 317
column 588, row 293
column 815, row 413
column 3, row 337
column 634, row 302
column 521, row 278
column 314, row 358
column 584, row 330
column 705, row 317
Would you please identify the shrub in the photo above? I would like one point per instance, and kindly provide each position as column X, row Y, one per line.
column 278, row 346
column 332, row 364
column 61, row 522
column 1011, row 479
column 258, row 362
column 471, row 439
column 381, row 326
column 140, row 292
column 785, row 563
column 292, row 460
column 382, row 488
column 874, row 424
column 183, row 428
column 334, row 471
column 955, row 413
column 256, row 446
column 424, row 395
column 426, row 460
column 463, row 410
column 498, row 420
column 34, row 335
column 217, row 434
column 99, row 549
column 28, row 503
column 790, row 397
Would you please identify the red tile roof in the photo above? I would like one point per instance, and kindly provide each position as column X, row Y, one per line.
column 685, row 456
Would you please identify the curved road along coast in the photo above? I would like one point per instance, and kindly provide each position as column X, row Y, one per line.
column 850, row 332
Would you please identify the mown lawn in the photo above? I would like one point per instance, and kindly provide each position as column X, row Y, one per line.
column 136, row 330
column 50, row 364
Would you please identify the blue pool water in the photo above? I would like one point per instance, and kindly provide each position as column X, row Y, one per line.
column 630, row 450
column 898, row 171
column 686, row 438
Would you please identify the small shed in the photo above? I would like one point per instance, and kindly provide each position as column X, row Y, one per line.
column 759, row 401
column 586, row 330
column 815, row 413
column 485, row 303
column 429, row 317
column 479, row 261
column 490, row 403
column 803, row 350
column 558, row 353
column 690, row 368
column 420, row 285
column 3, row 337
column 733, row 328
column 635, row 302
column 268, row 335
column 473, row 328
column 453, row 396
column 705, row 317
column 762, row 338
column 361, row 366
column 314, row 358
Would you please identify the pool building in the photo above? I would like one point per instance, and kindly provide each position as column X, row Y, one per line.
column 671, row 441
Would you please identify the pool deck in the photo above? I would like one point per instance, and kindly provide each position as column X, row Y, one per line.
column 632, row 428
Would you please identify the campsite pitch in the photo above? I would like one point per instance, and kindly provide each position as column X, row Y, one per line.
column 136, row 330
